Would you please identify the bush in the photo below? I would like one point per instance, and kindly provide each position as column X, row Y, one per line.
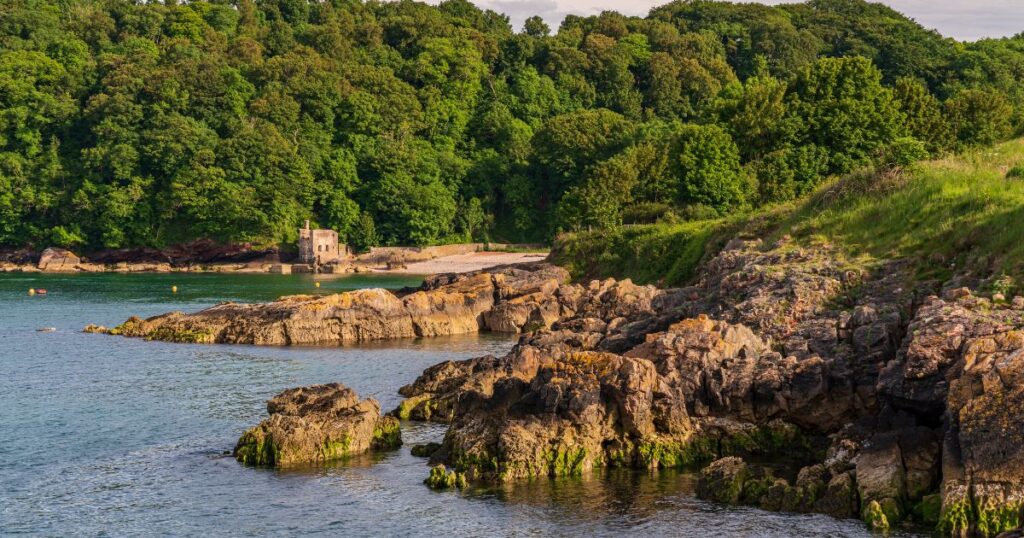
column 645, row 213
column 789, row 173
column 1017, row 172
column 903, row 152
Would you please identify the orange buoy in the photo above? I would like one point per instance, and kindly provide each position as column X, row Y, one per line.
column 41, row 291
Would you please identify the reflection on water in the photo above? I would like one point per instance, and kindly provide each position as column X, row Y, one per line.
column 114, row 436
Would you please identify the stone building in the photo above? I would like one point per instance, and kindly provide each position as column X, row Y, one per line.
column 320, row 246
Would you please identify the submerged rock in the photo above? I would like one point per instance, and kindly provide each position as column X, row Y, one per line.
column 317, row 424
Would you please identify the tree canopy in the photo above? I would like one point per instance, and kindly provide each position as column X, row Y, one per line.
column 126, row 123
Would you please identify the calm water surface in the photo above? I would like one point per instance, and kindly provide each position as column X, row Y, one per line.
column 113, row 436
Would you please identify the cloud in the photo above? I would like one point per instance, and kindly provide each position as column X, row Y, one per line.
column 963, row 19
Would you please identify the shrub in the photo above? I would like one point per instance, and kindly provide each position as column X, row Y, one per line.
column 903, row 152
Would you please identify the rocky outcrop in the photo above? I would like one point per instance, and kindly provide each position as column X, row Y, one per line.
column 509, row 299
column 893, row 404
column 317, row 424
column 885, row 401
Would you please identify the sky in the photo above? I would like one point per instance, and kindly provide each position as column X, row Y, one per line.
column 966, row 20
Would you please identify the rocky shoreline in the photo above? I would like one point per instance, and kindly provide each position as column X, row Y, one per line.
column 894, row 400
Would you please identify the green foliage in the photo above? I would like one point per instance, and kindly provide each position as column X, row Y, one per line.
column 925, row 119
column 363, row 234
column 129, row 124
column 789, row 173
column 960, row 209
column 980, row 117
column 841, row 105
column 903, row 151
column 706, row 163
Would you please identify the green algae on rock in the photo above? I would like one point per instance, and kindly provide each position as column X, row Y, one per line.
column 317, row 424
column 442, row 478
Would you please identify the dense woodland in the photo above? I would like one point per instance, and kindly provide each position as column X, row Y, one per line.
column 148, row 124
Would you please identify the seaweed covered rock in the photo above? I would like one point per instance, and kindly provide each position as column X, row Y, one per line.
column 317, row 424
column 723, row 480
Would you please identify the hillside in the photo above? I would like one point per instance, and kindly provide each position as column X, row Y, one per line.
column 961, row 215
column 153, row 124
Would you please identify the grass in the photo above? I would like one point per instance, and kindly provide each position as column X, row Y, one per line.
column 959, row 214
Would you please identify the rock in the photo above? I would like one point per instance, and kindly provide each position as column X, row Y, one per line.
column 58, row 259
column 442, row 478
column 317, row 424
column 956, row 294
column 881, row 480
column 425, row 450
column 723, row 480
column 463, row 304
column 839, row 498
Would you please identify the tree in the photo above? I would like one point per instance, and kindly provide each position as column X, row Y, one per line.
column 979, row 117
column 925, row 119
column 754, row 114
column 706, row 164
column 536, row 27
column 598, row 202
column 840, row 104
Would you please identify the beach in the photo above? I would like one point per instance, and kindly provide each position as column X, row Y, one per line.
column 464, row 263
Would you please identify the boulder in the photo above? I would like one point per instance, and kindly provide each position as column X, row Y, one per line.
column 58, row 259
column 317, row 424
column 723, row 480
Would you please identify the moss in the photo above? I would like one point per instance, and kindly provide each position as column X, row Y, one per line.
column 755, row 489
column 996, row 518
column 256, row 448
column 422, row 402
column 771, row 439
column 441, row 478
column 334, row 449
column 929, row 509
column 180, row 336
column 696, row 451
column 128, row 328
column 956, row 518
column 875, row 516
column 565, row 462
column 387, row 434
column 481, row 462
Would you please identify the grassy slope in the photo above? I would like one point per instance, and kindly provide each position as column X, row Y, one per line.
column 949, row 215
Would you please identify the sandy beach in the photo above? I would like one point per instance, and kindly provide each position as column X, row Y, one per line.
column 464, row 263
